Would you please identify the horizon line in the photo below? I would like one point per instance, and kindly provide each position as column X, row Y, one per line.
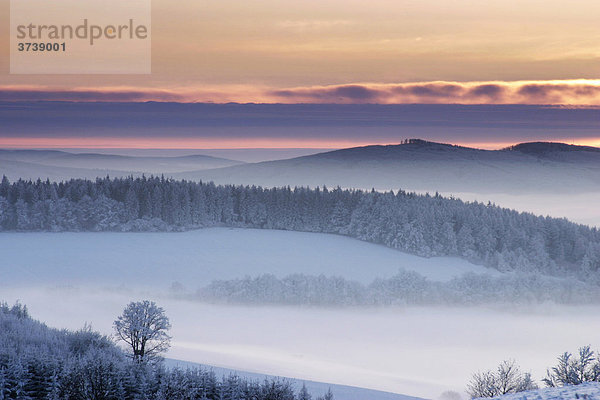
column 472, row 145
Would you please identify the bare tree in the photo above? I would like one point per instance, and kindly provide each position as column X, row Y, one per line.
column 482, row 384
column 508, row 378
column 143, row 327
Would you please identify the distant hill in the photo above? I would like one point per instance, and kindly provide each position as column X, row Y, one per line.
column 429, row 166
column 550, row 147
column 14, row 170
column 558, row 151
column 62, row 165
column 546, row 178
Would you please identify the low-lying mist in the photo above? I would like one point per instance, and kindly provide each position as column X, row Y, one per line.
column 420, row 351
column 414, row 346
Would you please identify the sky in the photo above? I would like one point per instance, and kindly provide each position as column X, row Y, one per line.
column 347, row 52
column 217, row 126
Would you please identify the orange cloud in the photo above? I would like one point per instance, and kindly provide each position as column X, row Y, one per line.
column 558, row 92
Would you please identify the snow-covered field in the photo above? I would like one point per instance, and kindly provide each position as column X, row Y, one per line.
column 340, row 392
column 195, row 258
column 414, row 351
column 67, row 279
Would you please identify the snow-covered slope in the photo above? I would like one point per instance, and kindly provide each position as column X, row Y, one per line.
column 419, row 351
column 340, row 392
column 196, row 258
column 585, row 391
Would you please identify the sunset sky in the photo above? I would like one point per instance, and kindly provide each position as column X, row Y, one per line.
column 349, row 52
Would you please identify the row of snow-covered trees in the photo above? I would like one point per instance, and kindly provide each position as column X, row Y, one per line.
column 37, row 362
column 420, row 224
column 571, row 370
column 405, row 288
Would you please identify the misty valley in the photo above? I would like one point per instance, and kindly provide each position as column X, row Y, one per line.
column 392, row 292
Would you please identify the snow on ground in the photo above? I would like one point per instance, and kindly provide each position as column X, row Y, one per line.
column 195, row 258
column 420, row 351
column 340, row 392
column 587, row 391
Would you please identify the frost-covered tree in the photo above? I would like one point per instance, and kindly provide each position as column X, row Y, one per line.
column 303, row 394
column 482, row 384
column 508, row 378
column 143, row 326
column 327, row 396
column 574, row 370
column 404, row 288
column 278, row 389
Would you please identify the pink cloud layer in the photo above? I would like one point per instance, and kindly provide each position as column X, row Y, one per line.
column 565, row 92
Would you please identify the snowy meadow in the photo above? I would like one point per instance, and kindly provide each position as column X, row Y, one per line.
column 419, row 351
column 196, row 258
column 74, row 278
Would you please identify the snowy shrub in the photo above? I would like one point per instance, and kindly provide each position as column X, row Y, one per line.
column 507, row 378
column 585, row 367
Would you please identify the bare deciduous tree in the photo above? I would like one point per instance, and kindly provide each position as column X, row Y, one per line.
column 482, row 384
column 508, row 378
column 143, row 327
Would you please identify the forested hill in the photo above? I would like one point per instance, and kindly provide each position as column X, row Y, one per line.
column 419, row 224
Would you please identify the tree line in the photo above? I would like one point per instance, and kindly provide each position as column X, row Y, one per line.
column 406, row 288
column 425, row 225
column 571, row 370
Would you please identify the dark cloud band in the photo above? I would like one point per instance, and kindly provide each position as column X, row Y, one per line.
column 575, row 92
column 550, row 92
